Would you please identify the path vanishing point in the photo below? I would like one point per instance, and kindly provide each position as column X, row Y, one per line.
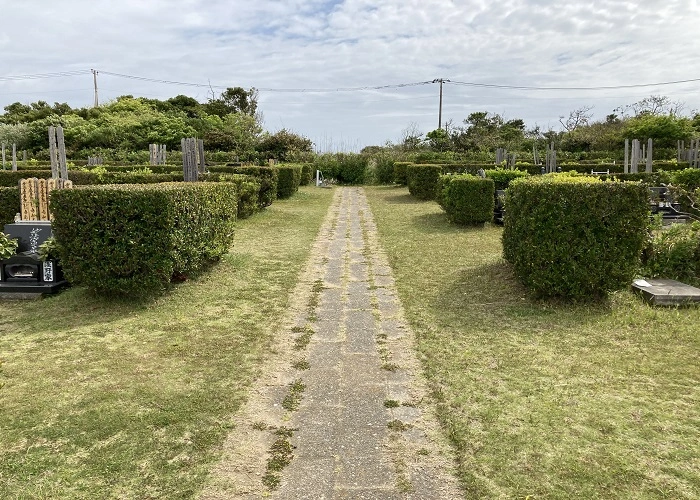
column 341, row 410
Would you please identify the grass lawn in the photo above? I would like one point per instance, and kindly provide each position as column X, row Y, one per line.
column 102, row 398
column 543, row 399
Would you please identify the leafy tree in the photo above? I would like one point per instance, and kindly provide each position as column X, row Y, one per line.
column 14, row 134
column 233, row 100
column 188, row 105
column 23, row 113
column 485, row 132
column 664, row 129
column 284, row 144
column 439, row 140
column 236, row 132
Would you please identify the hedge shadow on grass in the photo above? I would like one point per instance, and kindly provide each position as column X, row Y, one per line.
column 402, row 199
column 492, row 291
column 438, row 223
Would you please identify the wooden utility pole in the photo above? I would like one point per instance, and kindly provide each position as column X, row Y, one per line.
column 94, row 78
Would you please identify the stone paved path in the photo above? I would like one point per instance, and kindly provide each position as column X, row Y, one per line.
column 360, row 429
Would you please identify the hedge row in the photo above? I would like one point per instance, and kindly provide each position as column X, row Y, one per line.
column 248, row 189
column 83, row 178
column 423, row 180
column 466, row 199
column 400, row 169
column 267, row 176
column 307, row 174
column 9, row 204
column 131, row 240
column 345, row 168
column 289, row 177
column 574, row 237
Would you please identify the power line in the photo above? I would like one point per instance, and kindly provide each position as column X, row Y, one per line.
column 265, row 89
column 610, row 87
column 72, row 73
column 39, row 76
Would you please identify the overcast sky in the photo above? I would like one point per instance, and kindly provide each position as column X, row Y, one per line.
column 332, row 44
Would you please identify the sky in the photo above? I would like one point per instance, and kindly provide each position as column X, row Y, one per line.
column 352, row 73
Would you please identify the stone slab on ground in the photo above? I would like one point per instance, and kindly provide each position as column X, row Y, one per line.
column 665, row 292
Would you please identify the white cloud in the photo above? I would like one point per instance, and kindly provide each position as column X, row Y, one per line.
column 331, row 44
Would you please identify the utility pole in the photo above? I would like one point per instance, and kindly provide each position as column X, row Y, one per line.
column 94, row 78
column 440, row 81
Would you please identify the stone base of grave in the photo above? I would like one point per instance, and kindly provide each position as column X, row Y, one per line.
column 664, row 292
column 26, row 273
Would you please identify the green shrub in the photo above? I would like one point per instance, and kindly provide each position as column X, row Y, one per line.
column 647, row 179
column 674, row 253
column 384, row 169
column 288, row 180
column 307, row 174
column 8, row 178
column 502, row 177
column 688, row 179
column 132, row 239
column 96, row 177
column 574, row 236
column 8, row 246
column 248, row 189
column 155, row 169
column 268, row 182
column 466, row 199
column 423, row 180
column 400, row 172
column 9, row 204
column 345, row 168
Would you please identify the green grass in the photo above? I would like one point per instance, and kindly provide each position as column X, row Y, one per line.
column 113, row 399
column 544, row 399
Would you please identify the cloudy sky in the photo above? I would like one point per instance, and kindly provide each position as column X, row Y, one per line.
column 353, row 47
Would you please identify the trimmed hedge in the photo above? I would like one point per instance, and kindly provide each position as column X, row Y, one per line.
column 156, row 169
column 423, row 181
column 307, row 174
column 288, row 180
column 267, row 176
column 248, row 189
column 575, row 236
column 8, row 178
column 83, row 178
column 9, row 204
column 345, row 168
column 688, row 179
column 400, row 168
column 648, row 179
column 467, row 199
column 131, row 240
column 502, row 177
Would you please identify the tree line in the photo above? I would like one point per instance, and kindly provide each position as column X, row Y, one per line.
column 655, row 117
column 227, row 122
